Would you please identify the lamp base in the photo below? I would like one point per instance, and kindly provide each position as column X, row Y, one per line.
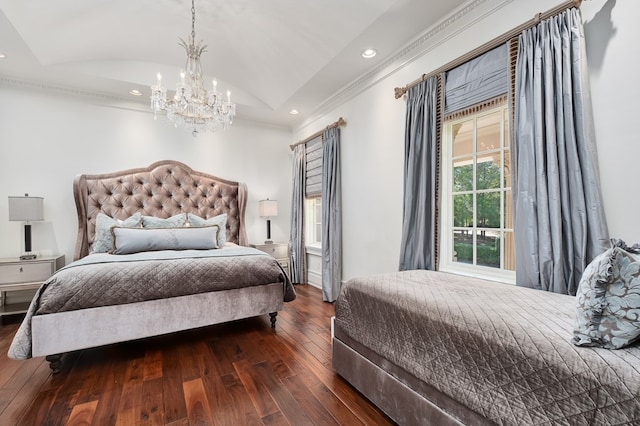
column 28, row 257
column 268, row 242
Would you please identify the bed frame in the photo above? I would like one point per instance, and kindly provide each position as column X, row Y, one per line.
column 393, row 390
column 163, row 189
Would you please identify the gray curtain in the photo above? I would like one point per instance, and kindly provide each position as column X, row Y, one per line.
column 417, row 249
column 559, row 217
column 331, row 216
column 296, row 239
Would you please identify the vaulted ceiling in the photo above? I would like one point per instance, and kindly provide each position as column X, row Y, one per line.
column 274, row 55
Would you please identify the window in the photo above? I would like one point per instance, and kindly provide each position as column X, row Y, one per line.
column 313, row 221
column 477, row 231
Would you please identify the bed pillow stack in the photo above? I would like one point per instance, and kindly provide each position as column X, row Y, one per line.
column 608, row 299
column 148, row 233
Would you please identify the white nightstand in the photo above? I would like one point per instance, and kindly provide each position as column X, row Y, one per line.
column 278, row 250
column 16, row 275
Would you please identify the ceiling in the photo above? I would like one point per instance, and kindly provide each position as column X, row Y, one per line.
column 274, row 55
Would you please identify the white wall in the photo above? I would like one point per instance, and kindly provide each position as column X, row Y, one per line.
column 372, row 141
column 47, row 138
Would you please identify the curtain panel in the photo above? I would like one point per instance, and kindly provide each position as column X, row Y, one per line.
column 331, row 216
column 418, row 245
column 297, row 253
column 559, row 217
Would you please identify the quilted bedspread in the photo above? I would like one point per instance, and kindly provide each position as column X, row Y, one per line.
column 503, row 351
column 104, row 280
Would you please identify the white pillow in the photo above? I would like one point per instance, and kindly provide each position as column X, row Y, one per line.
column 134, row 240
column 103, row 240
column 220, row 220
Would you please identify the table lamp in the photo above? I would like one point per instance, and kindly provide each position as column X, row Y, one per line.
column 268, row 209
column 26, row 209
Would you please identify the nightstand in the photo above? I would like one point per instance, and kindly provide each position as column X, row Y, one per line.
column 16, row 275
column 278, row 250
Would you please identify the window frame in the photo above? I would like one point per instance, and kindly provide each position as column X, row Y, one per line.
column 446, row 263
column 313, row 237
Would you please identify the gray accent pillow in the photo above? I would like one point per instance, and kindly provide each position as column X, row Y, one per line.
column 220, row 220
column 176, row 221
column 135, row 240
column 608, row 299
column 103, row 241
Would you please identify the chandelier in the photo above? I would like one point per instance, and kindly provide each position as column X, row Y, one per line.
column 192, row 105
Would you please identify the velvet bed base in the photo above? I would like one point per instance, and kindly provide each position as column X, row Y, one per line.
column 405, row 399
column 113, row 324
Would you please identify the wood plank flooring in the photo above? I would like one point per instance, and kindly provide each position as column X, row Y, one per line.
column 240, row 373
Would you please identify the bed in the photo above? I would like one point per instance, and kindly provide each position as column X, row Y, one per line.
column 436, row 348
column 184, row 264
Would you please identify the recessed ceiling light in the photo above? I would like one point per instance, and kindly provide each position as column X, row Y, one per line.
column 135, row 92
column 2, row 55
column 294, row 112
column 369, row 53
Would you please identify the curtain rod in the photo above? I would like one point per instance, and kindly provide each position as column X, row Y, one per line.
column 338, row 123
column 400, row 91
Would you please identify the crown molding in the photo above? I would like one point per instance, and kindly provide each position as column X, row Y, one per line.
column 113, row 101
column 447, row 28
column 94, row 97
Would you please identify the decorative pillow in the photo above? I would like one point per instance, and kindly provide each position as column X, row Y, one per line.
column 608, row 299
column 103, row 241
column 176, row 221
column 134, row 240
column 220, row 220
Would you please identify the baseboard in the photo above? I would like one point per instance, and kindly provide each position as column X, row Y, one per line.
column 314, row 278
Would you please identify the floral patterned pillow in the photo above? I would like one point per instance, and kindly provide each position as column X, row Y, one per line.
column 176, row 221
column 220, row 220
column 608, row 299
column 103, row 241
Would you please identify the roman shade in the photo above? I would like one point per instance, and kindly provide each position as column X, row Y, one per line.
column 313, row 180
column 477, row 80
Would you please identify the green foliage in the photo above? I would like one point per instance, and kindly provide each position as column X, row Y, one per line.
column 488, row 253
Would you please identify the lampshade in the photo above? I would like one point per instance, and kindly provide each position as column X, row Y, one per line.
column 26, row 208
column 268, row 208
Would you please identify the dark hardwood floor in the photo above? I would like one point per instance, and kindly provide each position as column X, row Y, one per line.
column 230, row 374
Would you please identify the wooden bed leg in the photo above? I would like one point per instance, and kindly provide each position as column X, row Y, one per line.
column 55, row 362
column 273, row 319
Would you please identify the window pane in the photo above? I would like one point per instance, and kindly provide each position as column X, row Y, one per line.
column 509, row 252
column 463, row 210
column 507, row 168
column 488, row 172
column 462, row 247
column 508, row 210
column 463, row 175
column 488, row 210
column 488, row 248
column 489, row 132
column 462, row 138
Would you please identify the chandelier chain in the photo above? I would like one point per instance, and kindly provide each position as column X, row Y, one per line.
column 193, row 19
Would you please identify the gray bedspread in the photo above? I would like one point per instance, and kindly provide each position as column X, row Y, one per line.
column 104, row 280
column 503, row 351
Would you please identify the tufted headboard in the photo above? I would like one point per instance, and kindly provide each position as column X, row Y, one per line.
column 163, row 189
